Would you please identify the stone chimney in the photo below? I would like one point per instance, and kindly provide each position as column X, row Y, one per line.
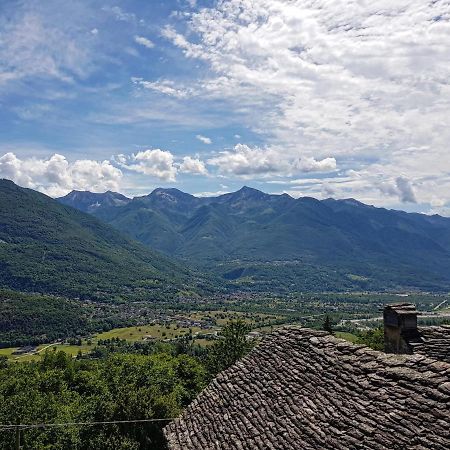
column 400, row 328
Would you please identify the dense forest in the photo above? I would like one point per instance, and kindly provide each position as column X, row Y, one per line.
column 117, row 382
column 51, row 248
column 33, row 319
column 122, row 387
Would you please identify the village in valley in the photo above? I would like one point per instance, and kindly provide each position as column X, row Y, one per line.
column 199, row 321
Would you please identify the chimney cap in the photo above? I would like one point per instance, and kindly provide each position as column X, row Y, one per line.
column 402, row 308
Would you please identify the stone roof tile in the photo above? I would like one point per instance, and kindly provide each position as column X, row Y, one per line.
column 304, row 389
column 435, row 342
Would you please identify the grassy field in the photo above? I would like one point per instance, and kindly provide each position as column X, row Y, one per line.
column 70, row 349
column 7, row 351
column 153, row 331
column 138, row 333
column 133, row 334
column 347, row 336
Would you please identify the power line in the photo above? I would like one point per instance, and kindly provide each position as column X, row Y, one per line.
column 9, row 427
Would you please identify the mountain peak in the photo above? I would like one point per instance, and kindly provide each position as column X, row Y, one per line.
column 170, row 194
column 248, row 189
column 246, row 193
column 87, row 201
column 172, row 191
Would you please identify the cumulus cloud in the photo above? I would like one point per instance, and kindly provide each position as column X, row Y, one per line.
column 363, row 82
column 310, row 164
column 245, row 161
column 367, row 184
column 193, row 166
column 405, row 190
column 161, row 164
column 156, row 163
column 400, row 187
column 204, row 139
column 141, row 40
column 57, row 176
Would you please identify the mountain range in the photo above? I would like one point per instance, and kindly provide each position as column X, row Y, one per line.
column 269, row 242
column 49, row 247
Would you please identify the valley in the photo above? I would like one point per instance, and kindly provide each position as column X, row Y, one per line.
column 164, row 292
column 197, row 321
column 70, row 280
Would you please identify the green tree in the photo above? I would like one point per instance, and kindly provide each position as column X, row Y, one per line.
column 328, row 325
column 372, row 338
column 60, row 389
column 3, row 361
column 232, row 346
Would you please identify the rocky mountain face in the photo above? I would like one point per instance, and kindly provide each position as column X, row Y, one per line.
column 91, row 201
column 259, row 240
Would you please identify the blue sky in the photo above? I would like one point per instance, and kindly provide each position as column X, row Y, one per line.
column 330, row 98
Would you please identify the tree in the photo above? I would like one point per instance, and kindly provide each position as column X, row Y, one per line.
column 328, row 325
column 373, row 338
column 60, row 389
column 3, row 361
column 232, row 346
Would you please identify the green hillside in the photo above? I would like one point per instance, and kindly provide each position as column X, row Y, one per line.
column 51, row 248
column 272, row 242
column 35, row 318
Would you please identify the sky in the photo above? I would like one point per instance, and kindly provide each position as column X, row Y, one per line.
column 321, row 98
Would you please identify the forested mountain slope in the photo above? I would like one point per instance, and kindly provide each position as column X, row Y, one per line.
column 49, row 247
column 257, row 239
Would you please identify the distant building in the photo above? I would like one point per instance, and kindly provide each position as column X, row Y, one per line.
column 306, row 389
column 25, row 350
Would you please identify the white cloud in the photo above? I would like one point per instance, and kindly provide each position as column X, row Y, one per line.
column 250, row 161
column 367, row 184
column 56, row 176
column 363, row 82
column 310, row 164
column 210, row 194
column 204, row 139
column 400, row 187
column 120, row 14
column 31, row 46
column 161, row 164
column 165, row 87
column 141, row 40
column 193, row 165
column 156, row 163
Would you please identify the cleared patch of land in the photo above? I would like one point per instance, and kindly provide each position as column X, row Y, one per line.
column 138, row 333
column 347, row 336
column 131, row 334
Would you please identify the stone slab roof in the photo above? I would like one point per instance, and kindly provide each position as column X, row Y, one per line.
column 304, row 389
column 435, row 342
